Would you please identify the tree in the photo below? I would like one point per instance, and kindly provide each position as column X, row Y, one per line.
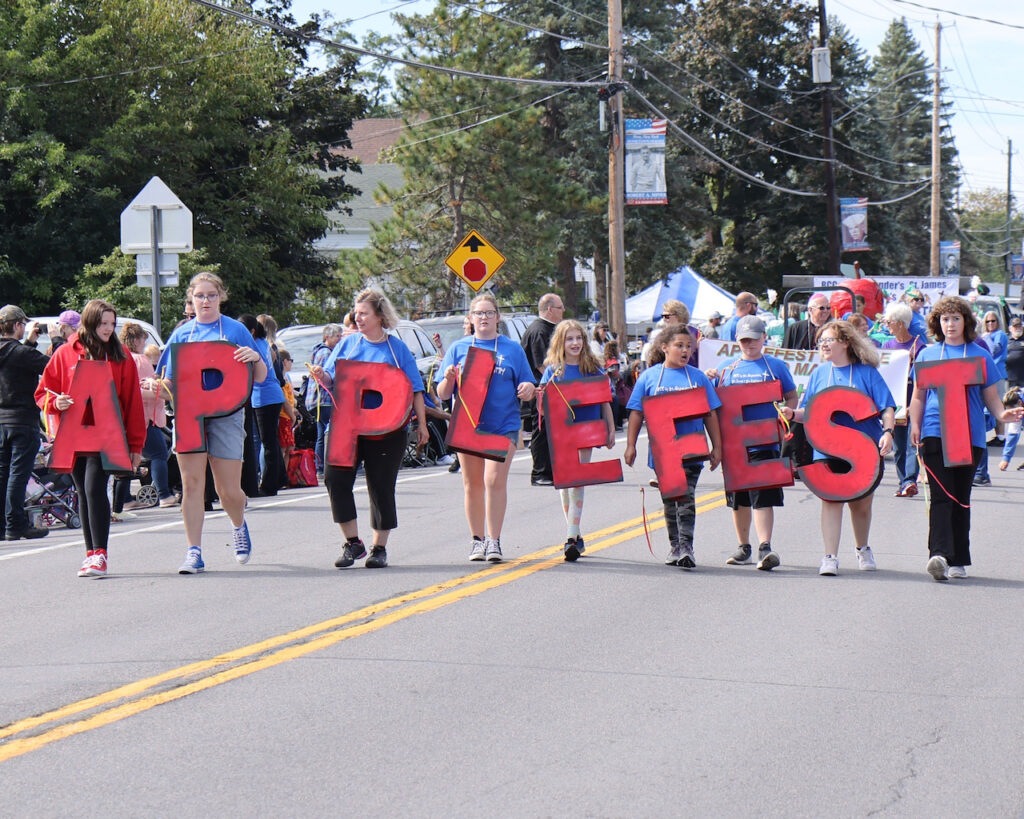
column 97, row 96
column 985, row 240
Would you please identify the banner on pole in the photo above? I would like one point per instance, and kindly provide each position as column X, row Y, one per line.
column 853, row 216
column 645, row 162
column 949, row 252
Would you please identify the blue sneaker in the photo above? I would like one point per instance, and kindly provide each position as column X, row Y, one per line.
column 193, row 562
column 243, row 546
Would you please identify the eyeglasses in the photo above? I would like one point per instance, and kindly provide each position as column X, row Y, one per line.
column 828, row 342
column 557, row 307
column 991, row 321
column 917, row 298
column 484, row 313
column 206, row 296
column 668, row 315
column 822, row 307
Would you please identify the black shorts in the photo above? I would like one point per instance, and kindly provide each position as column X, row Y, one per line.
column 756, row 498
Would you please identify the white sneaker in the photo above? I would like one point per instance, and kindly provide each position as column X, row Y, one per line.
column 686, row 561
column 446, row 460
column 478, row 550
column 958, row 572
column 866, row 559
column 938, row 568
column 674, row 554
column 493, row 550
column 829, row 566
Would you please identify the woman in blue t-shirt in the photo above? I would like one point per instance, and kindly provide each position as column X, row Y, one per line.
column 225, row 435
column 952, row 323
column 267, row 400
column 570, row 357
column 850, row 360
column 485, row 481
column 381, row 456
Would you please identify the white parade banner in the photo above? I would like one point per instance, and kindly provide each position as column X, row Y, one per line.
column 933, row 287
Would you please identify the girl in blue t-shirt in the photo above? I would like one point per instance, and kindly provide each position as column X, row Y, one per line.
column 570, row 357
column 485, row 481
column 675, row 343
column 849, row 359
column 952, row 323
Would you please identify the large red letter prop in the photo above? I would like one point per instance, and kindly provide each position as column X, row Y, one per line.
column 350, row 419
column 836, row 441
column 566, row 437
column 737, row 435
column 93, row 424
column 463, row 436
column 950, row 379
column 192, row 402
column 670, row 450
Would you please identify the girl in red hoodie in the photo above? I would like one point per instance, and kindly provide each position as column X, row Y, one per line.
column 95, row 340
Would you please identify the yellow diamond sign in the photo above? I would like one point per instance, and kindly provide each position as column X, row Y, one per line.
column 474, row 260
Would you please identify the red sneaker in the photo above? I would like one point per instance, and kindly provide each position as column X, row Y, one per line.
column 98, row 565
column 910, row 491
column 84, row 571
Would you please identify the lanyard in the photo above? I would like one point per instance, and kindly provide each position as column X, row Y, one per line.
column 195, row 324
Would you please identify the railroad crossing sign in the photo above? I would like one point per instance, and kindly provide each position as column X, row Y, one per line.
column 474, row 260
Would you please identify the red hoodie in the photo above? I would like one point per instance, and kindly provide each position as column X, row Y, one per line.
column 61, row 369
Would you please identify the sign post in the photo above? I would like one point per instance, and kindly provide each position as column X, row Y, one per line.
column 154, row 223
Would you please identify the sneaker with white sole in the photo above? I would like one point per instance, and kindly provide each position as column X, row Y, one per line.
column 242, row 543
column 97, row 565
column 938, row 568
column 84, row 571
column 741, row 557
column 766, row 558
column 829, row 566
column 492, row 550
column 478, row 550
column 674, row 554
column 686, row 561
column 866, row 559
column 957, row 572
column 193, row 562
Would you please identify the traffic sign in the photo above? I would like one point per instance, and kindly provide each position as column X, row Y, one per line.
column 474, row 260
column 168, row 270
column 175, row 228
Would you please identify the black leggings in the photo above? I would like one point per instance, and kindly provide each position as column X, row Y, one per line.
column 382, row 458
column 93, row 505
column 273, row 475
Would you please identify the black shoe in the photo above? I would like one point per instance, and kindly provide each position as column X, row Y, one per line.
column 455, row 465
column 378, row 558
column 350, row 554
column 982, row 481
column 571, row 553
column 581, row 547
column 542, row 482
column 31, row 533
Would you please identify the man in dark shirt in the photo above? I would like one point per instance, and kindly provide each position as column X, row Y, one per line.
column 535, row 342
column 802, row 335
column 20, row 368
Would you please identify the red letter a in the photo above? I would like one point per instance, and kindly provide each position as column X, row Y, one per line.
column 92, row 425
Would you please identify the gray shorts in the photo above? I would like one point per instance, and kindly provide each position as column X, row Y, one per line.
column 225, row 436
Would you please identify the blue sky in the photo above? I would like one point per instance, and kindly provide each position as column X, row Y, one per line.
column 985, row 62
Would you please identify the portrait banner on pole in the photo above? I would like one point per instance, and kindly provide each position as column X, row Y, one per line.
column 949, row 253
column 645, row 162
column 853, row 216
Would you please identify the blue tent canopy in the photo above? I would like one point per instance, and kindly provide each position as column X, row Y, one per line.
column 686, row 285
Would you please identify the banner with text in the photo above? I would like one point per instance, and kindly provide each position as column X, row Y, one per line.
column 645, row 162
column 933, row 287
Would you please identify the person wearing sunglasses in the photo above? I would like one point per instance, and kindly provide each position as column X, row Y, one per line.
column 918, row 326
column 536, row 340
column 746, row 305
column 800, row 335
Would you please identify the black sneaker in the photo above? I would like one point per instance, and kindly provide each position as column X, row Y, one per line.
column 741, row 557
column 350, row 554
column 581, row 547
column 378, row 558
column 571, row 552
column 767, row 559
column 31, row 533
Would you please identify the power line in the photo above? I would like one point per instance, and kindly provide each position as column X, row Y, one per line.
column 457, row 72
column 958, row 14
column 521, row 24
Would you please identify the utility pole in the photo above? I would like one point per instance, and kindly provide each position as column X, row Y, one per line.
column 935, row 267
column 1009, row 216
column 616, row 176
column 831, row 202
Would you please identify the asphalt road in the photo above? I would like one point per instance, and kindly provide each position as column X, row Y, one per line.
column 615, row 686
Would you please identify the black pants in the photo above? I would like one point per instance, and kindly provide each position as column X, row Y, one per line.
column 93, row 506
column 273, row 474
column 539, row 451
column 381, row 458
column 250, row 460
column 949, row 522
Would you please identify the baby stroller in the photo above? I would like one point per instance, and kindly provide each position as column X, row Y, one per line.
column 50, row 497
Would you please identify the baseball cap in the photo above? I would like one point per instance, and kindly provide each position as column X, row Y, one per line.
column 70, row 318
column 749, row 327
column 11, row 312
column 715, row 315
column 611, row 362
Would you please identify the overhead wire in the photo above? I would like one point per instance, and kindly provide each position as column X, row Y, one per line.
column 529, row 27
column 964, row 15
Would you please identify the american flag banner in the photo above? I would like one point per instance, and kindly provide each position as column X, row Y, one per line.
column 645, row 162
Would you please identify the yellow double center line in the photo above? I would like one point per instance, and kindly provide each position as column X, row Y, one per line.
column 177, row 683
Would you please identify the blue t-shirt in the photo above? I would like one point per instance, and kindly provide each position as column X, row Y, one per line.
column 930, row 426
column 500, row 415
column 268, row 391
column 572, row 372
column 998, row 343
column 765, row 368
column 918, row 327
column 392, row 350
column 658, row 380
column 223, row 329
column 861, row 377
column 727, row 332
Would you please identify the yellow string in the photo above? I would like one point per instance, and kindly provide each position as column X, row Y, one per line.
column 559, row 391
column 458, row 380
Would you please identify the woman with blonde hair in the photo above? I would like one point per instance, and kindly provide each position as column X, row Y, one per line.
column 225, row 436
column 570, row 357
column 485, row 481
column 849, row 359
column 381, row 457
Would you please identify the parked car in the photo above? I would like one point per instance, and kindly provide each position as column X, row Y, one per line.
column 51, row 322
